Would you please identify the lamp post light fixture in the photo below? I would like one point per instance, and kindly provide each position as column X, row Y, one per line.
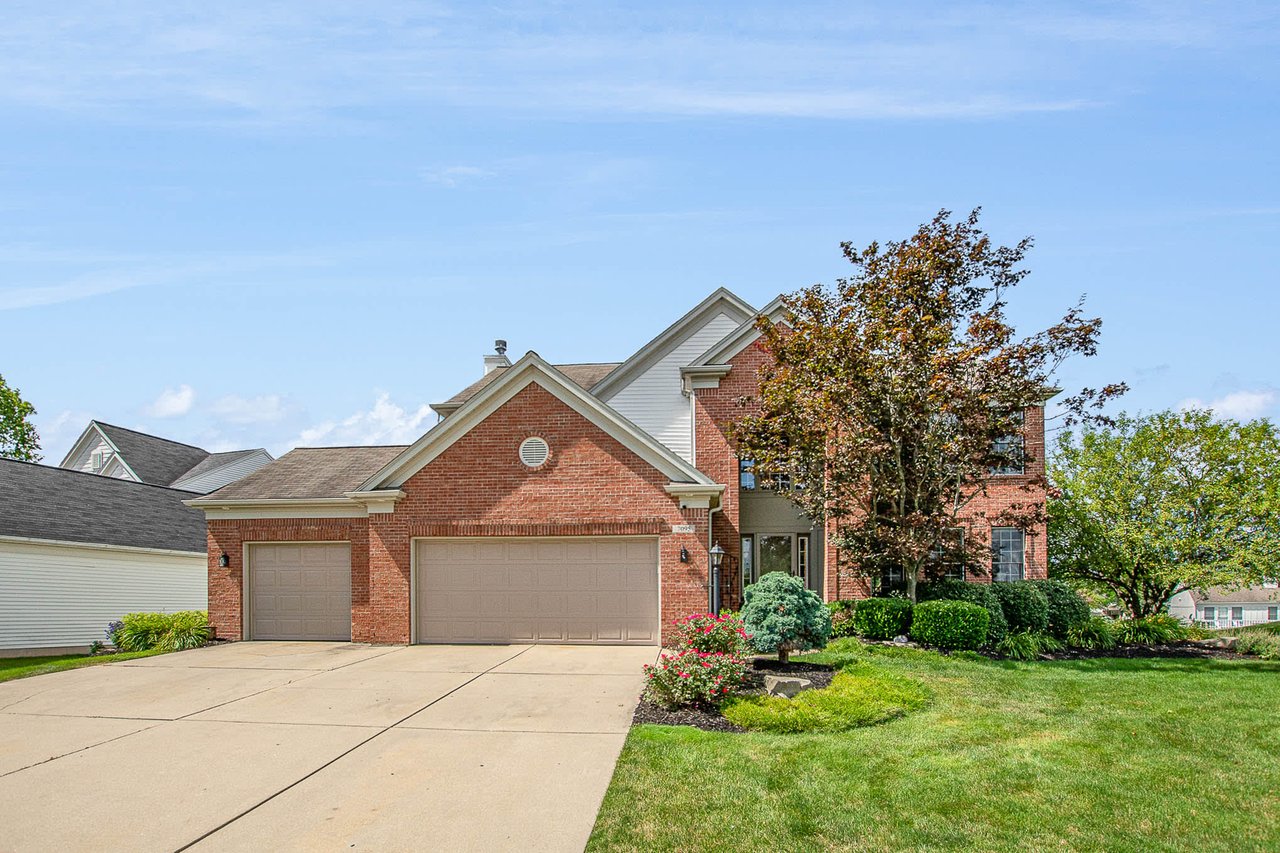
column 717, row 559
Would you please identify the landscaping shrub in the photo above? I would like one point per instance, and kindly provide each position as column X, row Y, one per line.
column 974, row 593
column 1258, row 640
column 705, row 632
column 112, row 632
column 1067, row 609
column 950, row 624
column 1028, row 645
column 842, row 618
column 1094, row 633
column 1025, row 607
column 859, row 695
column 140, row 632
column 691, row 677
column 782, row 616
column 882, row 618
column 1150, row 630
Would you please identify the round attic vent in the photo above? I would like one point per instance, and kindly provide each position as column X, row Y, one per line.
column 534, row 451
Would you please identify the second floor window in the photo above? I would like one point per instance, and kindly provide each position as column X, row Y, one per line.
column 746, row 474
column 1010, row 451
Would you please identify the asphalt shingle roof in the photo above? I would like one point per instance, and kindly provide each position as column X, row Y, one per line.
column 586, row 375
column 1244, row 595
column 158, row 461
column 311, row 472
column 213, row 460
column 44, row 502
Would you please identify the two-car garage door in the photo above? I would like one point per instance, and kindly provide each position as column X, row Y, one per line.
column 537, row 590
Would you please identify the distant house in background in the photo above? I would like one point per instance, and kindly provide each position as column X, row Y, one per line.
column 77, row 551
column 1219, row 607
column 126, row 454
column 104, row 534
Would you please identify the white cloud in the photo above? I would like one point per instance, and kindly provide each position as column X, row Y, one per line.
column 453, row 176
column 385, row 423
column 1238, row 405
column 172, row 402
column 266, row 408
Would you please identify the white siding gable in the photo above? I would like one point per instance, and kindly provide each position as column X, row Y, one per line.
column 95, row 446
column 653, row 400
column 216, row 478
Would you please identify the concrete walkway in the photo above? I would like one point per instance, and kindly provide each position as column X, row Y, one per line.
column 317, row 746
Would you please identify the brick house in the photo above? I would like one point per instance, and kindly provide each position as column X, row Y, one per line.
column 551, row 503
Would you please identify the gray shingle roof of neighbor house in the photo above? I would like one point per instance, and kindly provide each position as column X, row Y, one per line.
column 586, row 375
column 1244, row 595
column 310, row 472
column 155, row 460
column 44, row 502
column 213, row 460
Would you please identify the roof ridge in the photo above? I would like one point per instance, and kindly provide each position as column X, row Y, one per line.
column 347, row 446
column 120, row 480
column 149, row 435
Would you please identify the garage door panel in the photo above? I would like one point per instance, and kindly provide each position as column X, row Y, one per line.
column 576, row 590
column 300, row 592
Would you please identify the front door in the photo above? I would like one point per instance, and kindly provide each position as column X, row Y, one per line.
column 775, row 552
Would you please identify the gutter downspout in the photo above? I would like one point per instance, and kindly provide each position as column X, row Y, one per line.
column 711, row 589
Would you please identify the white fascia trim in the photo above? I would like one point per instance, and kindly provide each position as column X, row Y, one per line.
column 722, row 299
column 377, row 501
column 78, row 448
column 444, row 409
column 99, row 546
column 740, row 338
column 118, row 455
column 696, row 495
column 528, row 370
column 703, row 376
column 279, row 508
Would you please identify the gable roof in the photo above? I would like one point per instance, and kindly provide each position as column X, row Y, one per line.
column 309, row 472
column 586, row 375
column 155, row 460
column 529, row 370
column 1244, row 595
column 721, row 301
column 741, row 337
column 44, row 502
column 214, row 461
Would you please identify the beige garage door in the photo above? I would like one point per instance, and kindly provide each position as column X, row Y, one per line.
column 300, row 592
column 535, row 590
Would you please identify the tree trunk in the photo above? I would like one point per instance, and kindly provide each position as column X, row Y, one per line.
column 911, row 584
column 784, row 655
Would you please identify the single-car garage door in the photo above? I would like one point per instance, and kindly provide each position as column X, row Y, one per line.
column 300, row 591
column 537, row 590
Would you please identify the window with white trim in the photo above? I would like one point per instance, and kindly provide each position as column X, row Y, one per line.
column 802, row 558
column 1208, row 613
column 747, row 475
column 1011, row 450
column 1008, row 554
column 950, row 558
column 1237, row 614
column 1273, row 613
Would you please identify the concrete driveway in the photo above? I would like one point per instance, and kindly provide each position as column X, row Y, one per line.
column 317, row 746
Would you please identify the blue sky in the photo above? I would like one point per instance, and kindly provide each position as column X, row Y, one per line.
column 237, row 225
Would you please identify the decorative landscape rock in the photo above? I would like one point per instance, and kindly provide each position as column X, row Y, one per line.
column 779, row 685
column 901, row 640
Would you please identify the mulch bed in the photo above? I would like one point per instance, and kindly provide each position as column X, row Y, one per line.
column 709, row 719
column 1165, row 650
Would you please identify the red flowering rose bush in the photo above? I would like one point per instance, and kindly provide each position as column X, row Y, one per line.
column 706, row 632
column 692, row 677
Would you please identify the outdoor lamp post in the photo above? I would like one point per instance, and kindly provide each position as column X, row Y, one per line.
column 717, row 557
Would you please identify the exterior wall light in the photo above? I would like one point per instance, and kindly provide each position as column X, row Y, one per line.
column 684, row 554
column 224, row 561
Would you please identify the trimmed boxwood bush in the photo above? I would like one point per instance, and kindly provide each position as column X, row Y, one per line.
column 974, row 593
column 1067, row 610
column 882, row 618
column 950, row 624
column 1024, row 606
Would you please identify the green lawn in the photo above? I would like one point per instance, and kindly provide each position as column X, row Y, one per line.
column 1102, row 754
column 11, row 668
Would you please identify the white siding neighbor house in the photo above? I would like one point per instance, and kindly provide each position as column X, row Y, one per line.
column 78, row 550
column 1224, row 608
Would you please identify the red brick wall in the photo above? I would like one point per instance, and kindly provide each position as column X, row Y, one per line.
column 590, row 486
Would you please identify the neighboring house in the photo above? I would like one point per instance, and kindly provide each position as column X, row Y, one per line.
column 126, row 454
column 77, row 551
column 551, row 503
column 1219, row 607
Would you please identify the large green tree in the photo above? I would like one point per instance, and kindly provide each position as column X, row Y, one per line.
column 1157, row 504
column 18, row 437
column 892, row 394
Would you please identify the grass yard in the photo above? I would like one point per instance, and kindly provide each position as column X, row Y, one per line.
column 11, row 668
column 1105, row 754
